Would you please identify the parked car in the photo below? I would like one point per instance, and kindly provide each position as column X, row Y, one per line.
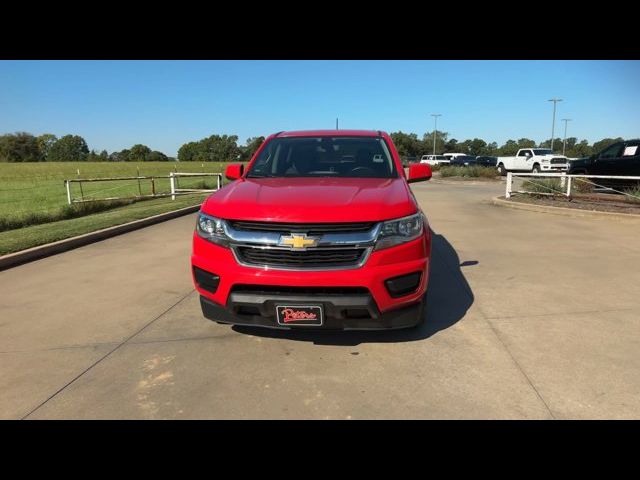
column 533, row 160
column 434, row 159
column 450, row 156
column 486, row 161
column 619, row 159
column 321, row 230
column 463, row 161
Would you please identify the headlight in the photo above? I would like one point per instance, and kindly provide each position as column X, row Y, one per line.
column 545, row 160
column 395, row 232
column 212, row 229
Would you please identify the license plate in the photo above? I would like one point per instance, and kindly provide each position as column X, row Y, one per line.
column 299, row 314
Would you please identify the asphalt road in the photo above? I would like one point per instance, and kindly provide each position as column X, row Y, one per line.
column 530, row 315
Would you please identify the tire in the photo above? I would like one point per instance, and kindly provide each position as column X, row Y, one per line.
column 536, row 168
column 502, row 170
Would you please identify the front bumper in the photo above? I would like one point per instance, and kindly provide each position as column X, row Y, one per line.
column 383, row 309
column 554, row 168
column 336, row 309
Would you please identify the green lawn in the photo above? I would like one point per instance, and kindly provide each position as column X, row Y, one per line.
column 27, row 237
column 27, row 188
column 33, row 198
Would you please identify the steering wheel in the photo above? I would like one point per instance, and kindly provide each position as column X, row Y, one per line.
column 362, row 169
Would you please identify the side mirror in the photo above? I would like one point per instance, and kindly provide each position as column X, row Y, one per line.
column 419, row 172
column 234, row 171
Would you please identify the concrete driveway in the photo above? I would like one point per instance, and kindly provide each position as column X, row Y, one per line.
column 530, row 315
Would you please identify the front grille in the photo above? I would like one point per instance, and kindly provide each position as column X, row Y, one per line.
column 286, row 290
column 558, row 160
column 303, row 259
column 308, row 228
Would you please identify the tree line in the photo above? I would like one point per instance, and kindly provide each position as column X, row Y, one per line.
column 409, row 145
column 25, row 147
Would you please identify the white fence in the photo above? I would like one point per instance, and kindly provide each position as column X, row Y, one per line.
column 566, row 182
column 173, row 177
column 175, row 190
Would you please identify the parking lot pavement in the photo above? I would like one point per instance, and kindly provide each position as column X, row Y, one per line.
column 529, row 315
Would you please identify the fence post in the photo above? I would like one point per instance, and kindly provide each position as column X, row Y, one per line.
column 68, row 185
column 172, row 181
column 507, row 193
column 218, row 177
column 153, row 186
column 139, row 187
column 568, row 186
column 563, row 180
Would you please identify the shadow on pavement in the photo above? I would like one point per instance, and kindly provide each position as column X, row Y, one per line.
column 449, row 296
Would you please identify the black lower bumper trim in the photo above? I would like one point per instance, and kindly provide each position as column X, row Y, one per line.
column 341, row 312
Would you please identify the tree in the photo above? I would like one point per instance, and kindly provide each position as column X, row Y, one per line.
column 104, row 156
column 547, row 144
column 70, row 148
column 216, row 148
column 580, row 150
column 604, row 143
column 407, row 144
column 188, row 151
column 45, row 142
column 251, row 147
column 526, row 143
column 427, row 142
column 157, row 156
column 93, row 156
column 138, row 153
column 478, row 147
column 19, row 147
column 509, row 148
column 451, row 146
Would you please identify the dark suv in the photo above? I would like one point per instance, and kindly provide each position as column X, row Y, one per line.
column 619, row 159
column 463, row 161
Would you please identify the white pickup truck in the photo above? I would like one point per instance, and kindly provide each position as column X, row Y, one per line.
column 534, row 160
column 434, row 159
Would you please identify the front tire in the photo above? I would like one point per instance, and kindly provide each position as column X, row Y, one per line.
column 501, row 170
column 536, row 168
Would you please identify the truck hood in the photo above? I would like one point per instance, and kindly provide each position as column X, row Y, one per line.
column 312, row 200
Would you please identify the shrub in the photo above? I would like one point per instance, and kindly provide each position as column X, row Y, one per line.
column 468, row 172
column 635, row 191
column 543, row 185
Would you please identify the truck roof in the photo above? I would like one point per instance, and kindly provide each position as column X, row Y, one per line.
column 330, row 133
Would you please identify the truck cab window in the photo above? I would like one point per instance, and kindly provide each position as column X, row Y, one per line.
column 614, row 151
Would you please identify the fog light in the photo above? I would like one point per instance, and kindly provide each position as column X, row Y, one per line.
column 404, row 285
column 206, row 280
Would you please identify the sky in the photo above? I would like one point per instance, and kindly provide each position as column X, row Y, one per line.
column 163, row 104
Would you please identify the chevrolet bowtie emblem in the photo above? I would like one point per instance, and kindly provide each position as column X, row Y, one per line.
column 298, row 241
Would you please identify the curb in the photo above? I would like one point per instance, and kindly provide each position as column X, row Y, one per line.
column 466, row 182
column 42, row 251
column 570, row 212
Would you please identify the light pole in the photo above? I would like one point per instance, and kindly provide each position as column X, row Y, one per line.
column 435, row 128
column 564, row 142
column 553, row 125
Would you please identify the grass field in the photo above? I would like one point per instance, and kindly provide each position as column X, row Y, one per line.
column 33, row 198
column 27, row 188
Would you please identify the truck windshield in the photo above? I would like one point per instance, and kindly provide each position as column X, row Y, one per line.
column 542, row 151
column 367, row 157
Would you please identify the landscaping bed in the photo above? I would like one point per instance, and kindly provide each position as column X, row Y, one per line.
column 594, row 202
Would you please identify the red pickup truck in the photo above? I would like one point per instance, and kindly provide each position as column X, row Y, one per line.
column 321, row 230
